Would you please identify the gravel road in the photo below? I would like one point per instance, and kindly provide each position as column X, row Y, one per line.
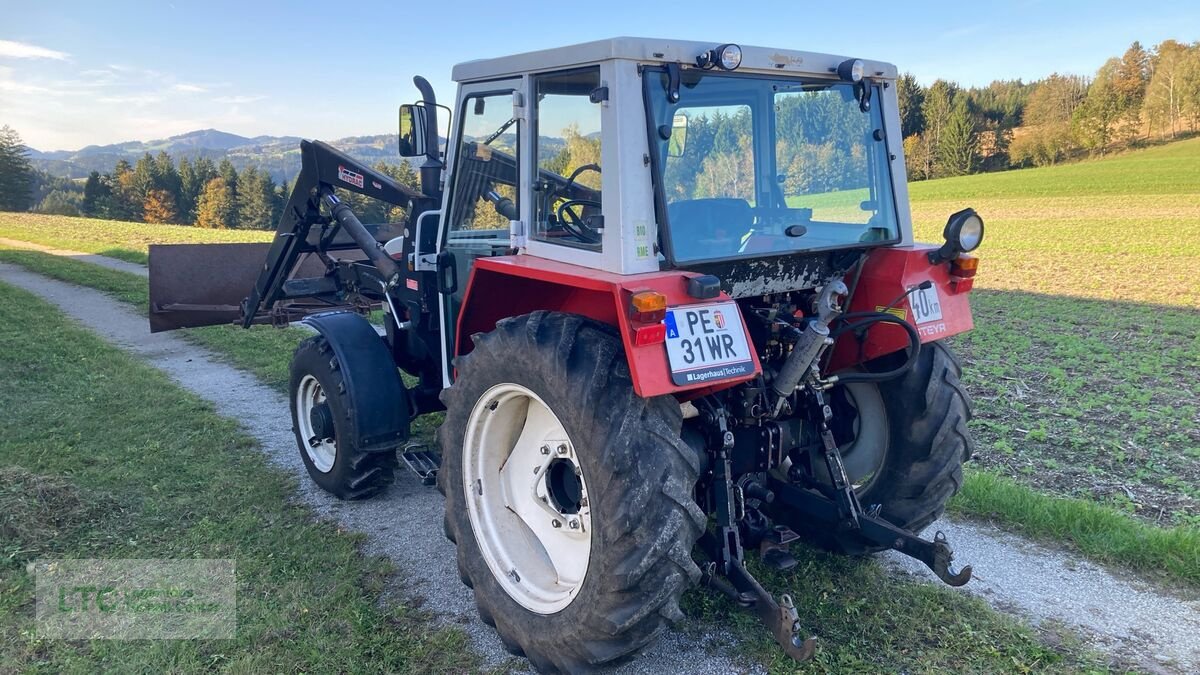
column 1157, row 629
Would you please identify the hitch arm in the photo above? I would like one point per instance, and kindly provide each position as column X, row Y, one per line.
column 798, row 508
column 741, row 587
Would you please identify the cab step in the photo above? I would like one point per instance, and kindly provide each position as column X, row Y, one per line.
column 425, row 463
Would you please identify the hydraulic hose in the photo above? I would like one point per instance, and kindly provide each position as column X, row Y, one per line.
column 868, row 320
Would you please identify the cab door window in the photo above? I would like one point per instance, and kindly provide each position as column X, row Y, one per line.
column 486, row 175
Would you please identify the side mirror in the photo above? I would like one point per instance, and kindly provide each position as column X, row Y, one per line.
column 678, row 139
column 412, row 130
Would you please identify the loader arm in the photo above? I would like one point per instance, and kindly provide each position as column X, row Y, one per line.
column 296, row 274
column 322, row 169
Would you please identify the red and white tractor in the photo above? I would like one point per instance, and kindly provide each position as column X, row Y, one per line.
column 667, row 296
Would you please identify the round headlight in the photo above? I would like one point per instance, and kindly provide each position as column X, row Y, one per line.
column 851, row 70
column 730, row 57
column 970, row 233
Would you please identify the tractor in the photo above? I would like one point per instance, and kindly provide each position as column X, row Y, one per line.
column 665, row 294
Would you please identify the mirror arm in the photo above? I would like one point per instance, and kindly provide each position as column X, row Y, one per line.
column 431, row 169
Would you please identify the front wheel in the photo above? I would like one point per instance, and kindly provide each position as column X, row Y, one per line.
column 569, row 497
column 320, row 421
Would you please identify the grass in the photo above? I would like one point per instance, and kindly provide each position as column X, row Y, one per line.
column 868, row 620
column 114, row 238
column 103, row 457
column 1101, row 533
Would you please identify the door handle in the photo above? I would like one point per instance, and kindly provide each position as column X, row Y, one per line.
column 447, row 273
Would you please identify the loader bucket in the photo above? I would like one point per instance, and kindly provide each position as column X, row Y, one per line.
column 201, row 284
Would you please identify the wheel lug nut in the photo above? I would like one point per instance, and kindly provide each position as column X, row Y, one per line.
column 562, row 448
column 545, row 449
column 556, row 523
column 574, row 524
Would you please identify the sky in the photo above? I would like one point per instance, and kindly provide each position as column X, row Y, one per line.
column 79, row 73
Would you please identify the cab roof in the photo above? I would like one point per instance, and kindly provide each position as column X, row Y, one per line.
column 657, row 50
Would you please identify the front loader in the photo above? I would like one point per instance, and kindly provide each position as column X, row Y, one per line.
column 668, row 297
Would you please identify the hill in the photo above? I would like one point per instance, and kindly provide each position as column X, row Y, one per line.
column 279, row 155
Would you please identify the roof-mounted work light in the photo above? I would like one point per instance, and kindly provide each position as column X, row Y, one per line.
column 725, row 57
column 851, row 70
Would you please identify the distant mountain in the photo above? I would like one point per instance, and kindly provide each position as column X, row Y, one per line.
column 278, row 155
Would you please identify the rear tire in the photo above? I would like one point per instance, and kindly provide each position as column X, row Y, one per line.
column 639, row 479
column 332, row 460
column 927, row 413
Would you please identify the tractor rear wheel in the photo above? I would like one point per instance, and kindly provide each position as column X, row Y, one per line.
column 906, row 448
column 317, row 392
column 569, row 497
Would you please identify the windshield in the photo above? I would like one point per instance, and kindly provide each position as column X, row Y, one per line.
column 753, row 166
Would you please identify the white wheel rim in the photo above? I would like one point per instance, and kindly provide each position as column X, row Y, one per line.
column 322, row 452
column 518, row 464
column 864, row 456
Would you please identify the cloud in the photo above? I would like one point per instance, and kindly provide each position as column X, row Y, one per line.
column 132, row 99
column 24, row 50
column 189, row 88
column 238, row 100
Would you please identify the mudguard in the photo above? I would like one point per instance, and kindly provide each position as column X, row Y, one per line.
column 378, row 402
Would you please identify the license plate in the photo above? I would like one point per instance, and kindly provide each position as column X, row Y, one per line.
column 707, row 343
column 926, row 305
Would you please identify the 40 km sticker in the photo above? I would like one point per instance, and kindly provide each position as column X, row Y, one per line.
column 347, row 176
column 926, row 305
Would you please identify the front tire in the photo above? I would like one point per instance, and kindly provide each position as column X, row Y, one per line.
column 636, row 480
column 321, row 421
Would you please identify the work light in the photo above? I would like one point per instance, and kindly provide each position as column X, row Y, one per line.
column 963, row 233
column 851, row 70
column 725, row 57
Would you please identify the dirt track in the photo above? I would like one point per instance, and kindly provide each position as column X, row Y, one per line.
column 1141, row 623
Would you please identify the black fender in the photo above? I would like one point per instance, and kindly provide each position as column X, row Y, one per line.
column 378, row 402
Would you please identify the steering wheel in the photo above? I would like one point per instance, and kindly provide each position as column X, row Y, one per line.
column 574, row 222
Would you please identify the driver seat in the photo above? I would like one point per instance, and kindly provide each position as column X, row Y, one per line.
column 709, row 228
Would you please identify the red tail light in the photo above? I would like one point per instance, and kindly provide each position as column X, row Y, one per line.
column 650, row 335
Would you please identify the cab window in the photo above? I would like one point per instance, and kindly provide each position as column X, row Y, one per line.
column 566, row 187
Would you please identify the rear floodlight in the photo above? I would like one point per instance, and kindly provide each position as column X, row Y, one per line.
column 725, row 57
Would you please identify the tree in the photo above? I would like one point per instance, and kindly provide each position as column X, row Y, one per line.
column 1166, row 92
column 125, row 203
column 193, row 176
column 166, row 179
column 958, row 151
column 229, row 174
column 1130, row 80
column 911, row 98
column 159, row 207
column 257, row 202
column 1095, row 119
column 95, row 196
column 16, row 173
column 217, row 207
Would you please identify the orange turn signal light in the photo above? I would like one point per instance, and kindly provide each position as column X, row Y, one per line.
column 648, row 306
column 964, row 266
column 962, row 273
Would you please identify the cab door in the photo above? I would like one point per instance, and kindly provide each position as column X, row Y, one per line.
column 482, row 195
